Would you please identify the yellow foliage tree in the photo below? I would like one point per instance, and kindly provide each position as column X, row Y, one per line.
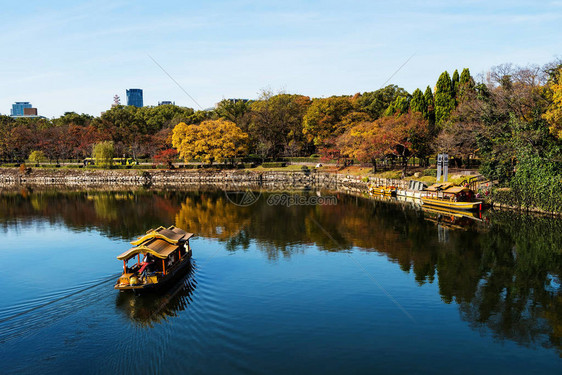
column 554, row 113
column 211, row 141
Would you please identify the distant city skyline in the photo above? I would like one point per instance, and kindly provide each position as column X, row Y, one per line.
column 79, row 54
column 19, row 107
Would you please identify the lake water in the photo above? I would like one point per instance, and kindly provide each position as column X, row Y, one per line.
column 361, row 286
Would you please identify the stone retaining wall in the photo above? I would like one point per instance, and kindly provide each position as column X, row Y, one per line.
column 231, row 179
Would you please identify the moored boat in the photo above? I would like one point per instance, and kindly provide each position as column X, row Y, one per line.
column 165, row 255
column 383, row 190
column 450, row 197
column 414, row 190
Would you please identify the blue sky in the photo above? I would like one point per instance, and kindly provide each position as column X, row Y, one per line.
column 75, row 55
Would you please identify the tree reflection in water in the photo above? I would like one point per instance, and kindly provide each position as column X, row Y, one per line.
column 504, row 273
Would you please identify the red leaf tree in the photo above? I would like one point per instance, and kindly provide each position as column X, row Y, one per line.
column 166, row 157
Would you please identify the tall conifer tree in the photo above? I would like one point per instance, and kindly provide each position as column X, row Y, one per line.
column 418, row 103
column 455, row 83
column 444, row 98
column 429, row 101
column 466, row 84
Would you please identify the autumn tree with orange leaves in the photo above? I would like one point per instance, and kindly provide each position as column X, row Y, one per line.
column 401, row 136
column 366, row 142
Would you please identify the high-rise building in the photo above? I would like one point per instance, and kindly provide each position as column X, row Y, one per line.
column 17, row 108
column 134, row 97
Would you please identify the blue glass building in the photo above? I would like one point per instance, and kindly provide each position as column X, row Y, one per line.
column 17, row 107
column 134, row 97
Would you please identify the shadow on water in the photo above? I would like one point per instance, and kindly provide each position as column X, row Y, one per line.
column 503, row 271
column 155, row 307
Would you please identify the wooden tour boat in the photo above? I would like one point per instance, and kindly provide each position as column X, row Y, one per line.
column 445, row 195
column 165, row 253
column 383, row 190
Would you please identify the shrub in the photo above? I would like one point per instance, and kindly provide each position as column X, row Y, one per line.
column 189, row 166
column 538, row 183
column 428, row 179
column 396, row 175
column 274, row 165
column 430, row 172
column 505, row 196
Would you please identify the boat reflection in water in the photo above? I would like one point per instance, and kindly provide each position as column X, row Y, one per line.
column 457, row 218
column 448, row 219
column 150, row 308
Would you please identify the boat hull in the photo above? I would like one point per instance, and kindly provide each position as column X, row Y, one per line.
column 176, row 272
column 409, row 193
column 465, row 206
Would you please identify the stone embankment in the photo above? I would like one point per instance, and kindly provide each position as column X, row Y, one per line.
column 227, row 180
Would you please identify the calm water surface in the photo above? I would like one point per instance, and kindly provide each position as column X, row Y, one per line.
column 359, row 287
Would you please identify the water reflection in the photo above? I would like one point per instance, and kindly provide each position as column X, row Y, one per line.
column 151, row 308
column 503, row 271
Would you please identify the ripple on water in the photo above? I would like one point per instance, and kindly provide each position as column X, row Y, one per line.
column 31, row 315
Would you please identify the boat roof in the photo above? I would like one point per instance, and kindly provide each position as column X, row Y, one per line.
column 440, row 186
column 171, row 235
column 456, row 189
column 157, row 243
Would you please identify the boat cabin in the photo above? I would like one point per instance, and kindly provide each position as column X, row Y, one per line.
column 452, row 193
column 157, row 257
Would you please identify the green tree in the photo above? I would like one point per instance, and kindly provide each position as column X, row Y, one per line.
column 37, row 157
column 103, row 154
column 455, row 82
column 73, row 118
column 513, row 129
column 376, row 102
column 465, row 77
column 322, row 120
column 444, row 98
column 466, row 86
column 429, row 100
column 418, row 103
column 398, row 107
column 553, row 115
column 276, row 124
column 234, row 110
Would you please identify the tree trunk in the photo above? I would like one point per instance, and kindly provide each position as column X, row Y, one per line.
column 374, row 162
